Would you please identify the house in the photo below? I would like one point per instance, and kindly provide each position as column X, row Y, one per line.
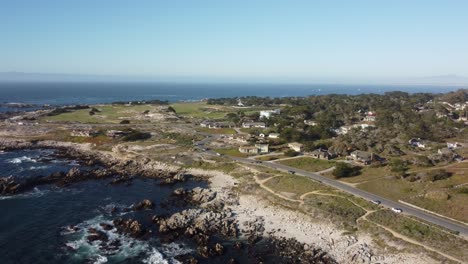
column 267, row 113
column 239, row 103
column 361, row 157
column 83, row 133
column 248, row 149
column 216, row 125
column 253, row 125
column 417, row 142
column 298, row 147
column 258, row 148
column 310, row 122
column 321, row 154
column 274, row 135
column 262, row 147
column 370, row 116
column 205, row 123
column 454, row 145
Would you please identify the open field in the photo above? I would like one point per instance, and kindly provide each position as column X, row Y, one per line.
column 205, row 111
column 296, row 185
column 335, row 206
column 108, row 114
column 422, row 232
column 308, row 164
column 368, row 174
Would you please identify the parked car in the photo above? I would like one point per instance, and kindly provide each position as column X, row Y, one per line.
column 397, row 210
column 291, row 172
column 376, row 202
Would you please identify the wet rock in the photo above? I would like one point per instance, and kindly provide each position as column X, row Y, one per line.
column 144, row 205
column 106, row 227
column 200, row 195
column 219, row 249
column 96, row 235
column 8, row 186
column 180, row 191
column 129, row 226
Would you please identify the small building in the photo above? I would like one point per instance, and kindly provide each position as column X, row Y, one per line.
column 205, row 123
column 274, row 135
column 262, row 147
column 248, row 149
column 361, row 157
column 261, row 135
column 370, row 116
column 257, row 149
column 254, row 125
column 310, row 122
column 268, row 113
column 321, row 154
column 417, row 142
column 454, row 145
column 298, row 147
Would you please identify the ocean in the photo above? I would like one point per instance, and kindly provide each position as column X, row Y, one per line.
column 93, row 93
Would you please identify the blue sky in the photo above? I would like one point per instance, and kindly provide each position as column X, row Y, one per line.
column 316, row 41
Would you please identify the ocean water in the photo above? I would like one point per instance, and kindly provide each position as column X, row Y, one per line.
column 92, row 93
column 34, row 225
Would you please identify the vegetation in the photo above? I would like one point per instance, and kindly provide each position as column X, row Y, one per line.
column 345, row 170
column 135, row 135
column 422, row 232
column 308, row 164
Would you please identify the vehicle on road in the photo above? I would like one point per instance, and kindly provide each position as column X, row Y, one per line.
column 376, row 202
column 397, row 210
column 291, row 172
column 219, row 154
column 258, row 161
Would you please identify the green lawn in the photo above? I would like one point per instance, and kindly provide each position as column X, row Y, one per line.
column 201, row 110
column 308, row 164
column 231, row 152
column 111, row 114
column 294, row 184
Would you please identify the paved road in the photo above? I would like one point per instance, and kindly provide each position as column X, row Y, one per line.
column 451, row 225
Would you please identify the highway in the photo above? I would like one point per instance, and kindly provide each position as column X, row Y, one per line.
column 461, row 228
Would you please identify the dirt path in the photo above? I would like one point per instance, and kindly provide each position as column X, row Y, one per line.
column 261, row 183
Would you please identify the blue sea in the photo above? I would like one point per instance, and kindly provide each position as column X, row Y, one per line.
column 55, row 93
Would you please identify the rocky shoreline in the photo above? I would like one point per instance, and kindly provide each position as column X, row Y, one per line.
column 208, row 222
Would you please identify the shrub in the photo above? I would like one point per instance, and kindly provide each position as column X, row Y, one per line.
column 125, row 122
column 291, row 153
column 345, row 170
column 135, row 135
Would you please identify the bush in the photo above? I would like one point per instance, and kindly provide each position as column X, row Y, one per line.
column 345, row 170
column 135, row 135
column 398, row 166
column 125, row 122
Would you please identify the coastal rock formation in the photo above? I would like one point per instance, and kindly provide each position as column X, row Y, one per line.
column 144, row 205
column 129, row 226
column 8, row 186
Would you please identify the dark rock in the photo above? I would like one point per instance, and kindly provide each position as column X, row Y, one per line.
column 144, row 205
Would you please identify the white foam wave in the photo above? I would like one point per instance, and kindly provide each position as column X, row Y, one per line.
column 21, row 159
column 38, row 167
column 100, row 259
column 155, row 257
column 36, row 192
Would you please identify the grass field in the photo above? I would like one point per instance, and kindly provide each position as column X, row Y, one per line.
column 308, row 164
column 231, row 152
column 368, row 174
column 336, row 206
column 205, row 111
column 423, row 233
column 111, row 114
column 294, row 184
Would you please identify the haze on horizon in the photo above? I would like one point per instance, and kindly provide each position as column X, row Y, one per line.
column 246, row 41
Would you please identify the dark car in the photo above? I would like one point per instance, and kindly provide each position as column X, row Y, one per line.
column 291, row 172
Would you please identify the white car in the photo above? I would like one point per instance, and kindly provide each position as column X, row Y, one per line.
column 397, row 210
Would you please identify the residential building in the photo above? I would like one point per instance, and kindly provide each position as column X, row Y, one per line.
column 454, row 145
column 298, row 147
column 274, row 135
column 257, row 149
column 361, row 157
column 417, row 142
column 254, row 125
column 321, row 154
column 370, row 116
column 310, row 122
column 267, row 113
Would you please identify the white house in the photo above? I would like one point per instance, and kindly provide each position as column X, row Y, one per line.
column 454, row 145
column 274, row 135
column 370, row 116
column 267, row 113
column 254, row 124
column 298, row 147
column 310, row 122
